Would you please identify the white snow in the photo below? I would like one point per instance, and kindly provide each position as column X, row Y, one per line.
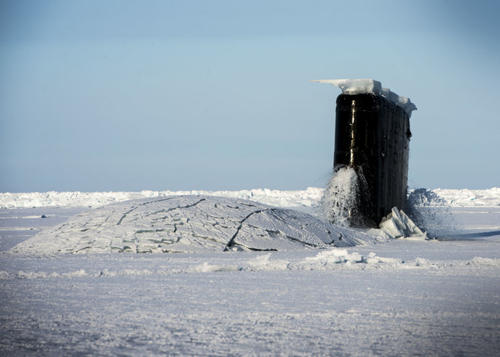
column 307, row 200
column 304, row 199
column 470, row 198
column 333, row 259
column 367, row 85
column 400, row 297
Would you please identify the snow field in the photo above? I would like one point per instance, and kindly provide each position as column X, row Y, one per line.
column 401, row 297
column 202, row 310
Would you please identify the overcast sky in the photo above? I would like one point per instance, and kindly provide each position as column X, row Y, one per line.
column 174, row 95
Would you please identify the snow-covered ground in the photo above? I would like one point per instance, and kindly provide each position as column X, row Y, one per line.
column 403, row 297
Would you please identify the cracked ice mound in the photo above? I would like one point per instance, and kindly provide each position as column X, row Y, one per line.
column 186, row 224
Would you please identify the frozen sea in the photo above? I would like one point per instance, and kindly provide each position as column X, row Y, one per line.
column 402, row 297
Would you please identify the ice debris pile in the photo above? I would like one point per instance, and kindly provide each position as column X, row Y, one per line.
column 187, row 224
column 398, row 225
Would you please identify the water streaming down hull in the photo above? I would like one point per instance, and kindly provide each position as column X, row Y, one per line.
column 343, row 199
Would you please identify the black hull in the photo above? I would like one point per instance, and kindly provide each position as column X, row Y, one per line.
column 372, row 135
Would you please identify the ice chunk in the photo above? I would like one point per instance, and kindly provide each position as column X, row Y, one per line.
column 398, row 225
column 367, row 85
column 355, row 86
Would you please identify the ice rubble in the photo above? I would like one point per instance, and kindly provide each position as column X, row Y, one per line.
column 367, row 85
column 306, row 200
column 398, row 225
column 302, row 199
column 470, row 198
column 182, row 224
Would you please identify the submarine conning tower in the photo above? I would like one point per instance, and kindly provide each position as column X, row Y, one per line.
column 372, row 136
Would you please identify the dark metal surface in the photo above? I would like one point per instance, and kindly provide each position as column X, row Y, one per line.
column 372, row 135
